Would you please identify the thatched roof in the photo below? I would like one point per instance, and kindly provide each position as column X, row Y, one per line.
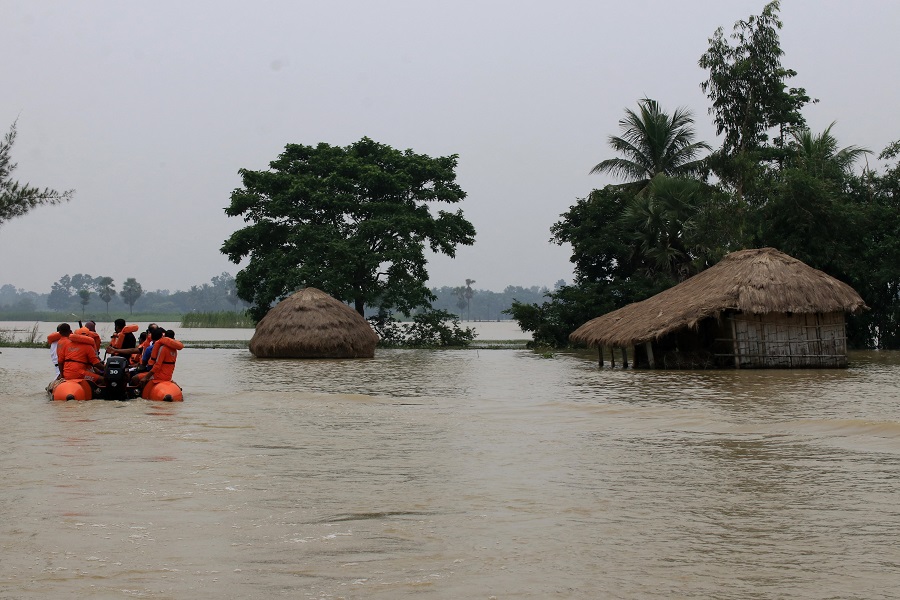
column 757, row 281
column 312, row 324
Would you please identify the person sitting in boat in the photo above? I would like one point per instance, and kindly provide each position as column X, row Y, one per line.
column 91, row 326
column 81, row 360
column 154, row 334
column 134, row 360
column 123, row 342
column 147, row 348
column 58, row 340
column 162, row 358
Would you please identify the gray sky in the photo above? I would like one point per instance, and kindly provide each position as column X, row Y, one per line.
column 149, row 109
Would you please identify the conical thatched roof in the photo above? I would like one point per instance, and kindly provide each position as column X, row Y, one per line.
column 312, row 324
column 757, row 281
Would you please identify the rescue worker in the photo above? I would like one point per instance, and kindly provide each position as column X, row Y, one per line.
column 92, row 331
column 81, row 360
column 58, row 340
column 143, row 341
column 164, row 366
column 162, row 359
column 122, row 342
column 147, row 346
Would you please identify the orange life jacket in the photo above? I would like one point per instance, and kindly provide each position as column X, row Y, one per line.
column 119, row 338
column 96, row 339
column 80, row 355
column 158, row 345
column 54, row 337
column 165, row 360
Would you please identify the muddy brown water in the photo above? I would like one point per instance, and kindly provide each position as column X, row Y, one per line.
column 454, row 474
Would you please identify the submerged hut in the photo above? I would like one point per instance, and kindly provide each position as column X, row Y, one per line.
column 756, row 308
column 312, row 324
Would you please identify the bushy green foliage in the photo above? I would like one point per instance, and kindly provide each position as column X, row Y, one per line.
column 428, row 329
column 569, row 307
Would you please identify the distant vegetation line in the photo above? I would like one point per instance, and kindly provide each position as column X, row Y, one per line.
column 208, row 310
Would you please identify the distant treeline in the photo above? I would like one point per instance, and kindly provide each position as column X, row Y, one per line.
column 218, row 296
column 485, row 305
column 85, row 296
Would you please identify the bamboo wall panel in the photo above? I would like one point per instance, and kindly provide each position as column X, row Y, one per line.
column 785, row 341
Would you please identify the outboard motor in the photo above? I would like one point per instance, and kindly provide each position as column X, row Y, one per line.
column 117, row 378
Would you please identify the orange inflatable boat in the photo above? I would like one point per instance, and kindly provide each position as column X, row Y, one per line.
column 164, row 391
column 117, row 386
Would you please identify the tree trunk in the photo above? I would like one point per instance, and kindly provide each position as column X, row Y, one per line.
column 360, row 306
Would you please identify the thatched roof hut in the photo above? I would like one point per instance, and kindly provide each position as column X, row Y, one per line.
column 761, row 285
column 312, row 324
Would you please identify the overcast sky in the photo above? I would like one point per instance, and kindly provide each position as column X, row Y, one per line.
column 149, row 109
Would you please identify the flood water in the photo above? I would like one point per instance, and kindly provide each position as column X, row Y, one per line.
column 454, row 474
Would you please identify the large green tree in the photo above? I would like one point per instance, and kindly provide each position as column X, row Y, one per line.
column 747, row 84
column 751, row 100
column 352, row 221
column 16, row 198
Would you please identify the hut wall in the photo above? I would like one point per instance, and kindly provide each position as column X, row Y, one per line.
column 788, row 340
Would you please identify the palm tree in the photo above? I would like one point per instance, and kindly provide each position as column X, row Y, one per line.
column 653, row 143
column 819, row 154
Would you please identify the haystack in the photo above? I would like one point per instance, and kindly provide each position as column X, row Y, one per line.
column 757, row 307
column 312, row 324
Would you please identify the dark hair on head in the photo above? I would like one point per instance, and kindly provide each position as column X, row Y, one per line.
column 119, row 323
column 170, row 334
column 143, row 336
column 156, row 333
column 64, row 328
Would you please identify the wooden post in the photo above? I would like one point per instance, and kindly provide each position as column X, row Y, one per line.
column 819, row 338
column 650, row 360
column 624, row 357
column 612, row 357
column 600, row 353
column 737, row 356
